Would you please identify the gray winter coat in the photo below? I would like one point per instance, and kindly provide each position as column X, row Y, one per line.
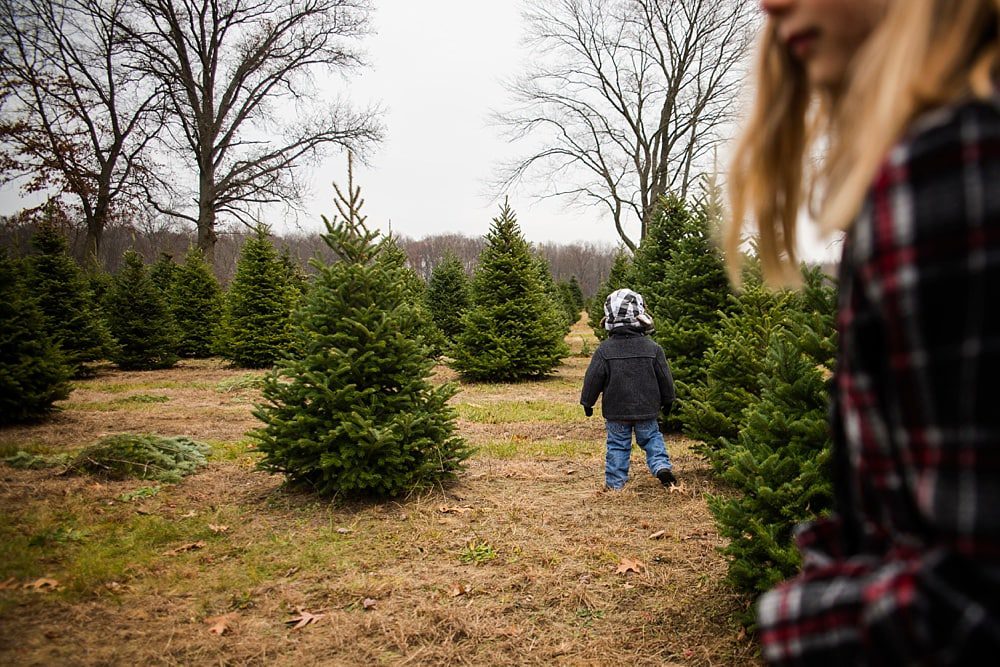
column 632, row 372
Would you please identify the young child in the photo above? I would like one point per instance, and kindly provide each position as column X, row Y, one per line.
column 629, row 368
column 907, row 572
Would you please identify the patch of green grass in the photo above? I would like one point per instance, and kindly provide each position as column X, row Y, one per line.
column 141, row 398
column 246, row 382
column 12, row 447
column 139, row 494
column 111, row 387
column 524, row 449
column 478, row 552
column 242, row 451
column 518, row 411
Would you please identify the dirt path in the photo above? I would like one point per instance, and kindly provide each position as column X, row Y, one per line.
column 525, row 560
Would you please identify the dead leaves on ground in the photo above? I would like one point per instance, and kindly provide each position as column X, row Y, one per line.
column 303, row 619
column 446, row 509
column 220, row 625
column 457, row 589
column 630, row 565
column 192, row 546
column 40, row 585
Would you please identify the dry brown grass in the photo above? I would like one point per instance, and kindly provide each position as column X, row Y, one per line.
column 396, row 582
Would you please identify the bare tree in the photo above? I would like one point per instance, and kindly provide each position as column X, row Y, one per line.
column 625, row 99
column 242, row 96
column 76, row 116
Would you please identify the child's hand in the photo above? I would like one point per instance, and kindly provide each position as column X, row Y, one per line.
column 587, row 410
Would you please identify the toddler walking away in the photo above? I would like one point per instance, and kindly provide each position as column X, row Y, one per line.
column 630, row 369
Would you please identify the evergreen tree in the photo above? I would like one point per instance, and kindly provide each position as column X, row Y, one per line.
column 162, row 274
column 64, row 296
column 577, row 294
column 355, row 412
column 139, row 319
column 619, row 277
column 777, row 467
column 687, row 292
column 415, row 291
column 33, row 371
column 257, row 308
column 196, row 304
column 734, row 366
column 513, row 330
column 448, row 295
column 551, row 289
column 567, row 300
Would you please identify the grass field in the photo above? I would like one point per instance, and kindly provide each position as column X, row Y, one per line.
column 525, row 560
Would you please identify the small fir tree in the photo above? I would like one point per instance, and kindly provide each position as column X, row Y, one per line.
column 778, row 469
column 139, row 319
column 355, row 413
column 415, row 290
column 257, row 307
column 552, row 290
column 577, row 294
column 567, row 300
column 448, row 295
column 162, row 274
column 619, row 277
column 513, row 331
column 64, row 296
column 196, row 304
column 33, row 370
column 734, row 367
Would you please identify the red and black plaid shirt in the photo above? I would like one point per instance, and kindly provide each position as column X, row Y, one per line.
column 908, row 570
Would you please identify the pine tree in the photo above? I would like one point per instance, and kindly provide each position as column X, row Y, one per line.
column 619, row 277
column 687, row 293
column 567, row 299
column 140, row 320
column 162, row 274
column 734, row 364
column 550, row 287
column 777, row 467
column 33, row 370
column 355, row 412
column 415, row 291
column 258, row 306
column 64, row 296
column 196, row 304
column 513, row 331
column 577, row 294
column 448, row 295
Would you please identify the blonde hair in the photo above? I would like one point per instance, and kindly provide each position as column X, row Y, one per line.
column 924, row 54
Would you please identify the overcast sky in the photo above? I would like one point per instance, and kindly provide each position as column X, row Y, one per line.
column 437, row 67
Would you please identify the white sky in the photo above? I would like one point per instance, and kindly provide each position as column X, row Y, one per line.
column 437, row 67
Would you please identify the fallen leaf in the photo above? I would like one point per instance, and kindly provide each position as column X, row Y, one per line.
column 344, row 531
column 457, row 589
column 220, row 625
column 445, row 509
column 630, row 565
column 677, row 488
column 291, row 571
column 42, row 584
column 193, row 546
column 368, row 603
column 216, row 528
column 570, row 472
column 303, row 619
column 658, row 534
column 190, row 514
column 9, row 585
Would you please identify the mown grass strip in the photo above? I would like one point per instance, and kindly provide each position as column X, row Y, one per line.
column 518, row 411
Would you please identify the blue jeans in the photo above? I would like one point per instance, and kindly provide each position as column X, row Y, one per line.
column 647, row 435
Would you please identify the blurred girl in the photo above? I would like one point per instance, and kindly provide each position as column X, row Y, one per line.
column 900, row 99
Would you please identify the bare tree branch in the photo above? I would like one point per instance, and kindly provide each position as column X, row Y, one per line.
column 626, row 99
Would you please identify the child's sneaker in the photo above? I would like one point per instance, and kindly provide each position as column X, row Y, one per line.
column 666, row 477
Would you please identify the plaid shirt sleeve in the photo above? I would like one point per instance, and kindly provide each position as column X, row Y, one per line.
column 908, row 571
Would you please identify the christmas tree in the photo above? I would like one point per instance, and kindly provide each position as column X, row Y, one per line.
column 162, row 274
column 619, row 277
column 258, row 306
column 355, row 412
column 33, row 371
column 140, row 320
column 415, row 291
column 552, row 290
column 63, row 294
column 777, row 467
column 448, row 295
column 513, row 330
column 196, row 304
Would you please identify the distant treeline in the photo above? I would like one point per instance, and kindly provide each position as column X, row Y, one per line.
column 590, row 262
